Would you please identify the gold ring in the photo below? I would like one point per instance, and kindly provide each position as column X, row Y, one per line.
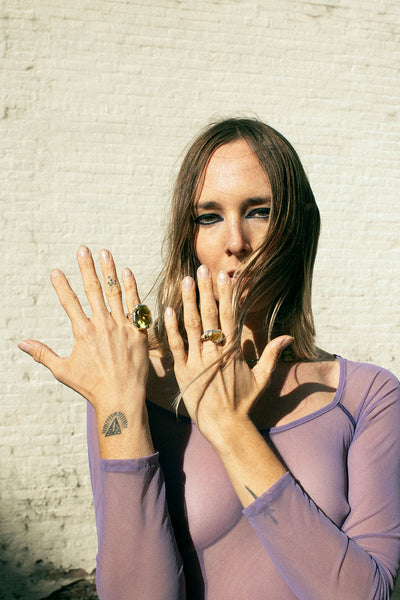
column 213, row 335
column 140, row 316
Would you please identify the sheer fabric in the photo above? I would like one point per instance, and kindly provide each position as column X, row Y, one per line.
column 170, row 526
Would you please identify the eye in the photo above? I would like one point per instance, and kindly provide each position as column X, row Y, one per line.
column 262, row 212
column 207, row 219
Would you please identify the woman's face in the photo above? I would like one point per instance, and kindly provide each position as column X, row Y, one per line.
column 233, row 209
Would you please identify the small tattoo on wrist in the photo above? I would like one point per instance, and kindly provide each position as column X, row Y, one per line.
column 114, row 424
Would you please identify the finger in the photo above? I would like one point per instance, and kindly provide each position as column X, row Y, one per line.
column 131, row 292
column 191, row 317
column 226, row 315
column 269, row 358
column 91, row 283
column 68, row 299
column 111, row 285
column 43, row 355
column 175, row 340
column 208, row 305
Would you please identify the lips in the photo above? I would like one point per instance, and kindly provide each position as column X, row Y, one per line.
column 234, row 277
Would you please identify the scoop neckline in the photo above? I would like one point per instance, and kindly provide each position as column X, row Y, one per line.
column 278, row 428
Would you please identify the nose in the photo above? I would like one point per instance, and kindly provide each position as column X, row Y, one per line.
column 237, row 242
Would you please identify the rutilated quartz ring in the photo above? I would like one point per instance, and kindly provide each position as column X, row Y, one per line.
column 140, row 316
column 213, row 335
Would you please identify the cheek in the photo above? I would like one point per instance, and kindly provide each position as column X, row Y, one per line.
column 259, row 236
column 204, row 248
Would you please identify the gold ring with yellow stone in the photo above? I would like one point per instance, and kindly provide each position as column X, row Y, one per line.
column 213, row 335
column 140, row 316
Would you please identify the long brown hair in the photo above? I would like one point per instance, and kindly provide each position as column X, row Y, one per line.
column 279, row 272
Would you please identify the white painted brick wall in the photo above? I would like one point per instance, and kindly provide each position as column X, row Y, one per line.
column 97, row 100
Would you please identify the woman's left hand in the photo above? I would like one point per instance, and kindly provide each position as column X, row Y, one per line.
column 221, row 394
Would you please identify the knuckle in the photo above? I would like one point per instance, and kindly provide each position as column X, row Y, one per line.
column 210, row 312
column 83, row 331
column 176, row 344
column 192, row 322
column 129, row 284
column 275, row 352
column 274, row 358
column 92, row 286
column 112, row 292
column 226, row 312
column 39, row 353
column 69, row 295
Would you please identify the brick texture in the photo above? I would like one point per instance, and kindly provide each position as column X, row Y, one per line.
column 97, row 100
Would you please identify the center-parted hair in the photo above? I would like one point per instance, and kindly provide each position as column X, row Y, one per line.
column 278, row 274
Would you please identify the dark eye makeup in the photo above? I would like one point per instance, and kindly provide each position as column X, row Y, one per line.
column 207, row 219
column 261, row 212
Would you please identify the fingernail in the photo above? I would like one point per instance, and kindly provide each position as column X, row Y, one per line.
column 104, row 255
column 187, row 283
column 203, row 271
column 223, row 276
column 24, row 346
column 286, row 342
column 126, row 273
column 83, row 251
column 168, row 312
column 55, row 273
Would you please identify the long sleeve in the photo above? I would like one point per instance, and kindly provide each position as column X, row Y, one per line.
column 137, row 554
column 357, row 559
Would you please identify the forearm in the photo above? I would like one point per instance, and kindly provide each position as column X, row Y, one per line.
column 137, row 557
column 250, row 463
column 137, row 554
column 299, row 536
column 311, row 552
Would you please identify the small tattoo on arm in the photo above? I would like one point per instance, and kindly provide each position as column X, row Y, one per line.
column 267, row 511
column 250, row 492
column 111, row 281
column 114, row 424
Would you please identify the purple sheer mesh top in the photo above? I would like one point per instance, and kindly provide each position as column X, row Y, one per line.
column 170, row 526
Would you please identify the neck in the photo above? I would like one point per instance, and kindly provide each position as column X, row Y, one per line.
column 254, row 337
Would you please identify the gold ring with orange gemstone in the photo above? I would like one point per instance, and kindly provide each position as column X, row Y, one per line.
column 213, row 335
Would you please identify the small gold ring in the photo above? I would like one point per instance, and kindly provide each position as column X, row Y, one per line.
column 213, row 335
column 140, row 316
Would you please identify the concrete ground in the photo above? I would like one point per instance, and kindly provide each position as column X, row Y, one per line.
column 83, row 589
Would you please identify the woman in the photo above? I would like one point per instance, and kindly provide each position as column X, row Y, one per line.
column 279, row 477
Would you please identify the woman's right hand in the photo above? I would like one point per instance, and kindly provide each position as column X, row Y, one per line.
column 109, row 361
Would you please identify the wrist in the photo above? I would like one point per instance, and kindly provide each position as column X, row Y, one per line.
column 250, row 462
column 230, row 431
column 132, row 405
column 124, row 433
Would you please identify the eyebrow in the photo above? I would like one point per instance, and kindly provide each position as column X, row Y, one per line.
column 253, row 201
